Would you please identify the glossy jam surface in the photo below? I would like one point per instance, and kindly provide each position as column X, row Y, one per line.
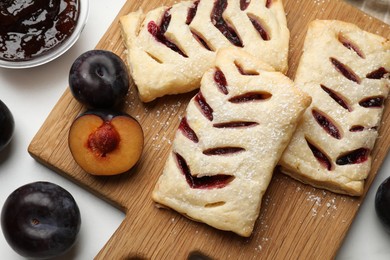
column 207, row 111
column 158, row 31
column 187, row 130
column 30, row 28
column 321, row 157
column 327, row 124
column 220, row 79
column 354, row 157
column 205, row 182
column 222, row 25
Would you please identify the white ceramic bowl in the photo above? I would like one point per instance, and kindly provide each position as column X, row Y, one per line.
column 59, row 50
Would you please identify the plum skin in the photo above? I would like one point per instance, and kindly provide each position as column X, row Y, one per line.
column 7, row 125
column 99, row 79
column 382, row 203
column 40, row 220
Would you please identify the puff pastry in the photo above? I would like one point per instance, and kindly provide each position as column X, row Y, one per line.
column 346, row 72
column 228, row 143
column 169, row 48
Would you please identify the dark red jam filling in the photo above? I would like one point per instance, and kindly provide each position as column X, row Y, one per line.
column 220, row 79
column 201, row 41
column 337, row 97
column 356, row 128
column 377, row 74
column 244, row 4
column 190, row 16
column 321, row 157
column 187, row 131
column 29, row 29
column 345, row 70
column 205, row 182
column 359, row 128
column 223, row 150
column 261, row 30
column 207, row 111
column 250, row 96
column 235, row 124
column 245, row 72
column 192, row 12
column 354, row 157
column 221, row 25
column 159, row 31
column 350, row 45
column 326, row 124
column 372, row 102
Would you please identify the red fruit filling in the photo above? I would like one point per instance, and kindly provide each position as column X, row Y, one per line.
column 201, row 41
column 205, row 182
column 192, row 12
column 190, row 16
column 207, row 111
column 221, row 25
column 350, row 45
column 377, row 74
column 245, row 72
column 104, row 140
column 359, row 128
column 250, row 96
column 235, row 124
column 268, row 3
column 337, row 97
column 345, row 70
column 354, row 157
column 223, row 150
column 159, row 31
column 220, row 79
column 321, row 157
column 263, row 33
column 326, row 124
column 356, row 128
column 187, row 131
column 372, row 102
column 244, row 4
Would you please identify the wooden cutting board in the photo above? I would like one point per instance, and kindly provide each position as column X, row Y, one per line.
column 296, row 220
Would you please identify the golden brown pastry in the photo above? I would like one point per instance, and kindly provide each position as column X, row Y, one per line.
column 169, row 48
column 228, row 143
column 346, row 72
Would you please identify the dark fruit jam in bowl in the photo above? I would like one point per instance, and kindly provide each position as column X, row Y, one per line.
column 31, row 28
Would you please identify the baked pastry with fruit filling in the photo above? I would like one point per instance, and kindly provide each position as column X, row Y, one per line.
column 346, row 72
column 229, row 141
column 169, row 48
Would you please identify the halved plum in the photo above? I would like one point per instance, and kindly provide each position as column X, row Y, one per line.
column 104, row 142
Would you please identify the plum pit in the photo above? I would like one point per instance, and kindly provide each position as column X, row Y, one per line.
column 104, row 140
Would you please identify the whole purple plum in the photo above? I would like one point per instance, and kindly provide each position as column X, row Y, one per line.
column 7, row 125
column 99, row 79
column 40, row 220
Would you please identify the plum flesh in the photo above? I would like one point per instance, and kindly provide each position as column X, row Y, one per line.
column 105, row 142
